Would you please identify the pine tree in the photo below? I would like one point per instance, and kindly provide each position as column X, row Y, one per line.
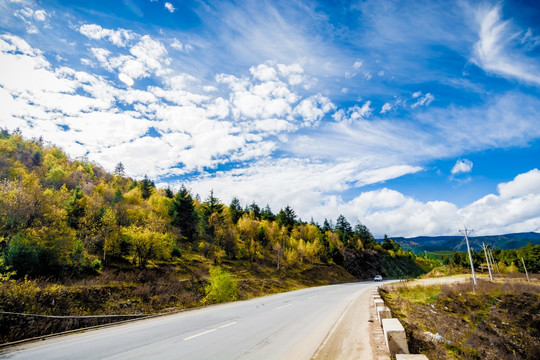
column 327, row 226
column 119, row 169
column 212, row 208
column 267, row 214
column 235, row 210
column 146, row 187
column 75, row 208
column 286, row 217
column 365, row 236
column 255, row 209
column 344, row 229
column 183, row 214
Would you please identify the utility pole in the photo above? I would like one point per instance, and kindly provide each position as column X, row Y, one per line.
column 526, row 273
column 493, row 260
column 467, row 232
column 487, row 261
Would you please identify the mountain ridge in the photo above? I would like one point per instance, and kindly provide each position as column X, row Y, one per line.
column 457, row 242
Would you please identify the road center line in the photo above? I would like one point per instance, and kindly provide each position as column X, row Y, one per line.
column 227, row 325
column 281, row 307
column 199, row 334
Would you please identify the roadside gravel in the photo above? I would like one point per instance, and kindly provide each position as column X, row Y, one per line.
column 356, row 335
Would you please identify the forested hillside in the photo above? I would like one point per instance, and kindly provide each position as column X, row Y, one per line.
column 77, row 240
column 61, row 216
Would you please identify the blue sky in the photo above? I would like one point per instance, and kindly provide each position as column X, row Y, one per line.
column 412, row 117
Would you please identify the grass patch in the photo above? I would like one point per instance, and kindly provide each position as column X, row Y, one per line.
column 499, row 320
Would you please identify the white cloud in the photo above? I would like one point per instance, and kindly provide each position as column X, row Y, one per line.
column 386, row 107
column 529, row 40
column 424, row 100
column 288, row 70
column 31, row 18
column 263, row 72
column 40, row 15
column 12, row 44
column 514, row 209
column 521, row 186
column 126, row 79
column 22, row 74
column 169, row 7
column 265, row 95
column 176, row 44
column 497, row 49
column 462, row 166
column 307, row 185
column 151, row 53
column 314, row 108
column 383, row 211
column 387, row 211
column 357, row 65
column 146, row 57
column 120, row 37
column 357, row 112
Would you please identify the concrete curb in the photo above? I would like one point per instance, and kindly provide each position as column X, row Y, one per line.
column 394, row 333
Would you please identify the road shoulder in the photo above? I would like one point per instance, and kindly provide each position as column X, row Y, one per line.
column 356, row 335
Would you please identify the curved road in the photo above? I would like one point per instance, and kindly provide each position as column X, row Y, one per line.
column 290, row 325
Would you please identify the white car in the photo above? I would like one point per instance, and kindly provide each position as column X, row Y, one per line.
column 378, row 278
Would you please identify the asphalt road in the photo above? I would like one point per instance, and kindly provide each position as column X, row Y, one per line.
column 285, row 326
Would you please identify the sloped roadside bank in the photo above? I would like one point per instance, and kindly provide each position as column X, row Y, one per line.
column 444, row 320
column 78, row 304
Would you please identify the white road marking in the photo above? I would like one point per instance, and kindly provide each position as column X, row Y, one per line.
column 227, row 325
column 311, row 297
column 281, row 307
column 199, row 334
column 209, row 331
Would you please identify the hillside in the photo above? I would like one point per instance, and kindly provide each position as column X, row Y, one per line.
column 77, row 240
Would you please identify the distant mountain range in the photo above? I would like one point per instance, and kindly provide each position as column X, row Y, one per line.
column 448, row 243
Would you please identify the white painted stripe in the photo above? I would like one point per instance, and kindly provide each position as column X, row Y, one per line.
column 199, row 334
column 227, row 325
column 311, row 297
column 281, row 307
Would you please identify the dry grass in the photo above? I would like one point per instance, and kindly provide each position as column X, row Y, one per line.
column 124, row 290
column 499, row 320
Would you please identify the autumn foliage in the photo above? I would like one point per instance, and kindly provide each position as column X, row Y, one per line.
column 64, row 216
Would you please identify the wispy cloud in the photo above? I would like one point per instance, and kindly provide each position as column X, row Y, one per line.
column 496, row 50
column 422, row 100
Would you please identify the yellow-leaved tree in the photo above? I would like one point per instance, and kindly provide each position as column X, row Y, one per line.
column 148, row 244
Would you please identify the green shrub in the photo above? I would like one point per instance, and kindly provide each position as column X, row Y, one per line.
column 221, row 287
column 96, row 265
column 176, row 252
column 22, row 257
